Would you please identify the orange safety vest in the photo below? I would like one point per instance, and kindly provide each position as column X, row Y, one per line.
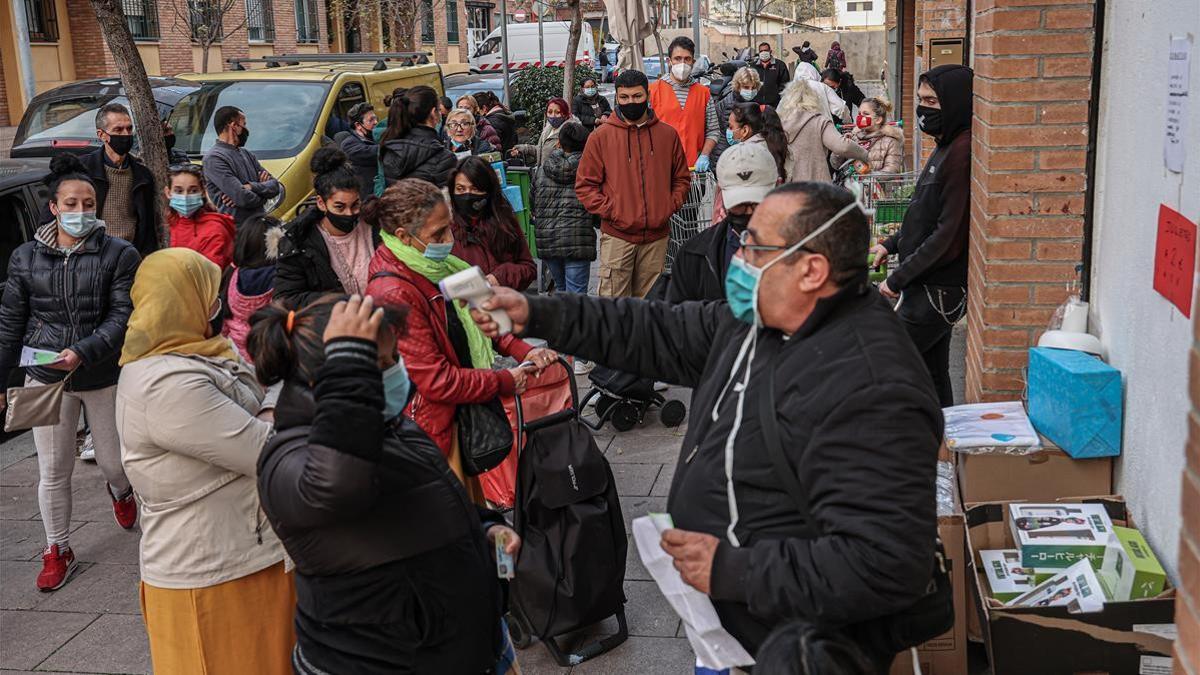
column 689, row 120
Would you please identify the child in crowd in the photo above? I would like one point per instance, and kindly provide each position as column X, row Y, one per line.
column 193, row 220
column 251, row 285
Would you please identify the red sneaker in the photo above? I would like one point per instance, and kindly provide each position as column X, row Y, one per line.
column 57, row 567
column 124, row 509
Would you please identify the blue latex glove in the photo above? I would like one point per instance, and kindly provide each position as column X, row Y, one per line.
column 702, row 164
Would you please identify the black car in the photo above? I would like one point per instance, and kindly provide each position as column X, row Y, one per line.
column 64, row 118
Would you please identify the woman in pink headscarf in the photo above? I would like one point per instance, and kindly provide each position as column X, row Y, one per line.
column 558, row 113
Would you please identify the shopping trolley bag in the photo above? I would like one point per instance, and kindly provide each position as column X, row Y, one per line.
column 570, row 571
column 546, row 393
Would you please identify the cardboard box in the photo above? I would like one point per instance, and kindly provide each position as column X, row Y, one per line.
column 1077, row 588
column 1007, row 580
column 1058, row 535
column 1130, row 570
column 1076, row 400
column 1044, row 475
column 1032, row 640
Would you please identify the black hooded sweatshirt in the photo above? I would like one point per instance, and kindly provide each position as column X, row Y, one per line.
column 932, row 241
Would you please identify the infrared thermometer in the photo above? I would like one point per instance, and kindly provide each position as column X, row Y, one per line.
column 470, row 285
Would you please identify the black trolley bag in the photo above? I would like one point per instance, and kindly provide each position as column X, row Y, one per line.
column 570, row 571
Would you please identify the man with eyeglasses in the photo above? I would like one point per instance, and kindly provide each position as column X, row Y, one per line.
column 806, row 388
column 360, row 146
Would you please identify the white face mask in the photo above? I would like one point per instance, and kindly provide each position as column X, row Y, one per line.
column 681, row 72
column 764, row 55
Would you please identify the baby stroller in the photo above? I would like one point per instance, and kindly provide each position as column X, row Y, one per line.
column 570, row 572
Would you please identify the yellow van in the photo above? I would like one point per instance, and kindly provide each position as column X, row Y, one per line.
column 293, row 105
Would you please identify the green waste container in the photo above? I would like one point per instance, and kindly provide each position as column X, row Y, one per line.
column 520, row 176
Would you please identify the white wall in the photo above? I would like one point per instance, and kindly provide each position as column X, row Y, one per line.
column 876, row 16
column 1147, row 337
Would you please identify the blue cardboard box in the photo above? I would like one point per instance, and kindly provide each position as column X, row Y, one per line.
column 500, row 173
column 1076, row 400
column 513, row 193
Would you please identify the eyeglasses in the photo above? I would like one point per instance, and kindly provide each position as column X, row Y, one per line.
column 744, row 242
column 460, row 126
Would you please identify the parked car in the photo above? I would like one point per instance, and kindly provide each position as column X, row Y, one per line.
column 463, row 84
column 64, row 118
column 523, row 48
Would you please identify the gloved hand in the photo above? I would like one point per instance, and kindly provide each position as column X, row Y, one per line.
column 702, row 164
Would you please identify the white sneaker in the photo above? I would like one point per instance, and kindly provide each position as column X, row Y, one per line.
column 583, row 367
column 88, row 452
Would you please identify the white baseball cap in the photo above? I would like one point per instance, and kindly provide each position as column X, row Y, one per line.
column 746, row 172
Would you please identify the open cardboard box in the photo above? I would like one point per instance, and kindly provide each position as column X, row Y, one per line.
column 1025, row 640
column 1042, row 476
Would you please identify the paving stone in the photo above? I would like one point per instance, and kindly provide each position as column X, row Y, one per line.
column 21, row 539
column 90, row 499
column 29, row 637
column 634, row 569
column 17, row 585
column 18, row 503
column 651, row 655
column 648, row 612
column 643, row 449
column 21, row 474
column 114, row 643
column 108, row 589
column 662, row 484
column 106, row 542
column 536, row 660
column 635, row 479
column 633, row 507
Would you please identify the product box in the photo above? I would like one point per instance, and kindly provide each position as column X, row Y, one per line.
column 498, row 167
column 1036, row 640
column 1130, row 571
column 1045, row 474
column 1007, row 580
column 1075, row 399
column 1059, row 534
column 513, row 194
column 1077, row 588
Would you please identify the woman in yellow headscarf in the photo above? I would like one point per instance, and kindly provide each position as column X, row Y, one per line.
column 215, row 595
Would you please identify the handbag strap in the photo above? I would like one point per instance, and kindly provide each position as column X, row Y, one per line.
column 769, row 421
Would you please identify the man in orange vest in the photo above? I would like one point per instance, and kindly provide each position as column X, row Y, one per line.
column 687, row 106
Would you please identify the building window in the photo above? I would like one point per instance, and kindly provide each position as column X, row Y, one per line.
column 860, row 6
column 426, row 20
column 452, row 21
column 142, row 17
column 260, row 22
column 306, row 22
column 42, row 17
column 205, row 18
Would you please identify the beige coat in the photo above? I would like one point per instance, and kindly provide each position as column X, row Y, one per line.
column 190, row 443
column 811, row 137
column 885, row 148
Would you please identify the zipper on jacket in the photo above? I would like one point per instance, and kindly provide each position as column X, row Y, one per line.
column 72, row 329
column 258, row 524
column 692, row 454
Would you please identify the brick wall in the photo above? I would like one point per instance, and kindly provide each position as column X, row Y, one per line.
column 4, row 121
column 92, row 57
column 174, row 42
column 284, row 12
column 234, row 43
column 1032, row 85
column 322, row 27
column 1187, row 604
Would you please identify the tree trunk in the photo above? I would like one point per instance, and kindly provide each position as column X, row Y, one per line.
column 204, row 47
column 572, row 47
column 120, row 42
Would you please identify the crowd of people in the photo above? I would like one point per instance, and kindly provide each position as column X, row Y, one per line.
column 276, row 403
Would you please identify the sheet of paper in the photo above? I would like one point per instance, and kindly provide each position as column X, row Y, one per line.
column 31, row 356
column 714, row 647
column 1175, row 258
column 1179, row 58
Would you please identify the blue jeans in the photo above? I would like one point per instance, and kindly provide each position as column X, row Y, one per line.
column 570, row 275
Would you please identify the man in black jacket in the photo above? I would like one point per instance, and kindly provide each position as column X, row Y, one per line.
column 932, row 241
column 773, row 73
column 745, row 173
column 360, row 147
column 858, row 422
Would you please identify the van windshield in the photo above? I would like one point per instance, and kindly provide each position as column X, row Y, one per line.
column 281, row 116
column 488, row 46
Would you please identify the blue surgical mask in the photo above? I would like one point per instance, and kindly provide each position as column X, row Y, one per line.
column 78, row 224
column 437, row 251
column 742, row 280
column 729, row 137
column 186, row 205
column 396, row 386
column 589, row 92
column 748, row 94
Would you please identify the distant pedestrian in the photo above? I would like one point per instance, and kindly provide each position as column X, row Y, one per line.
column 811, row 134
column 566, row 233
column 360, row 146
column 411, row 147
column 836, row 58
column 806, row 64
column 557, row 114
column 68, row 292
column 743, row 88
column 687, row 106
column 483, row 128
column 773, row 73
column 499, row 117
column 589, row 106
column 445, row 105
column 250, row 286
column 192, row 219
column 215, row 596
column 634, row 176
column 832, row 79
column 236, row 182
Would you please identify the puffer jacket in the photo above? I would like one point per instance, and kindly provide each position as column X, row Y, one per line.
column 505, row 125
column 303, row 272
column 393, row 571
column 210, row 233
column 565, row 230
column 55, row 301
column 885, row 148
column 419, row 154
column 441, row 380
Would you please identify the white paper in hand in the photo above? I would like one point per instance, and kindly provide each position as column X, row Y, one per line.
column 32, row 356
column 715, row 648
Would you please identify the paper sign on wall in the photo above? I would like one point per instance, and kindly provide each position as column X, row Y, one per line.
column 1175, row 258
column 1178, row 61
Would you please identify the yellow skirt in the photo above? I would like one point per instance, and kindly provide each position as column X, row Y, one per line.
column 241, row 626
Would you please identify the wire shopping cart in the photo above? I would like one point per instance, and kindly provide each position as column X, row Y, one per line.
column 887, row 196
column 694, row 216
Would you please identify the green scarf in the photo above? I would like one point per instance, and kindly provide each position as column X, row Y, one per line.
column 482, row 354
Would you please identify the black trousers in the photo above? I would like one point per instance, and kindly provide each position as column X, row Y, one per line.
column 930, row 325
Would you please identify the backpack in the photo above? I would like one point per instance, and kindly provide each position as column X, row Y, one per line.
column 850, row 92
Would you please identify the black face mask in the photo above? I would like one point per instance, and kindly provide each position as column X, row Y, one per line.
column 469, row 204
column 343, row 223
column 930, row 120
column 738, row 221
column 120, row 144
column 242, row 136
column 632, row 112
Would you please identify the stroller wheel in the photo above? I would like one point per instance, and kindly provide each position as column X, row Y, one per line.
column 521, row 638
column 605, row 403
column 625, row 415
column 673, row 413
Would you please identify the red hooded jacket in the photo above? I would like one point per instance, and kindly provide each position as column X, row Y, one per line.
column 206, row 232
column 442, row 383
